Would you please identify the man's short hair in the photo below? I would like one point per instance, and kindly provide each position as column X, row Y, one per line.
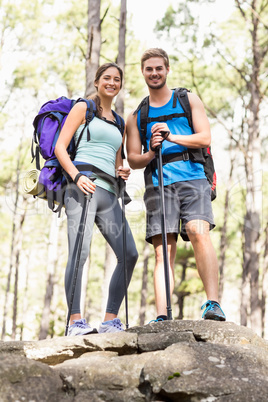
column 155, row 52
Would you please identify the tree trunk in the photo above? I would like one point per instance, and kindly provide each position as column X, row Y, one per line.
column 264, row 283
column 25, row 294
column 181, row 295
column 252, row 220
column 144, row 290
column 19, row 236
column 51, row 264
column 6, row 302
column 223, row 238
column 93, row 44
column 245, row 292
column 252, row 226
column 121, row 58
column 15, row 299
column 13, row 251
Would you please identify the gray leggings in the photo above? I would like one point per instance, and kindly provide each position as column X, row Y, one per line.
column 105, row 211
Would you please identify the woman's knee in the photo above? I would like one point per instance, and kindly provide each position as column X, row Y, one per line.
column 132, row 255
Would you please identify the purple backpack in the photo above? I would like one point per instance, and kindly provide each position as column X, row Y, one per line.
column 47, row 126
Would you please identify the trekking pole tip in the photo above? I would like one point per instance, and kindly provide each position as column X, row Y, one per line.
column 66, row 330
column 169, row 313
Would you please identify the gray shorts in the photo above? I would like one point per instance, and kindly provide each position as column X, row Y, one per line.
column 184, row 201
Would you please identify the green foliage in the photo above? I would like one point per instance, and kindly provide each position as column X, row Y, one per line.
column 184, row 254
column 217, row 61
column 167, row 22
column 174, row 376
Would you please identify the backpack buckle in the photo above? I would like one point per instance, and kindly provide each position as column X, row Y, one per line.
column 185, row 156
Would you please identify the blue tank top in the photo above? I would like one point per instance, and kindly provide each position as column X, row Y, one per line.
column 100, row 151
column 179, row 170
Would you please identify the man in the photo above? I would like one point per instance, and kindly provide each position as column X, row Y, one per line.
column 187, row 193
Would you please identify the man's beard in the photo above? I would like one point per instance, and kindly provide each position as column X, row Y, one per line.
column 157, row 86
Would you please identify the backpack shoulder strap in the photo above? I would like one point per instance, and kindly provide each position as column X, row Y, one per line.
column 182, row 95
column 90, row 113
column 121, row 126
column 145, row 100
column 144, row 110
column 91, row 108
column 119, row 122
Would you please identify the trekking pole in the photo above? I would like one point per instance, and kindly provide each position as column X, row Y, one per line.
column 77, row 253
column 122, row 187
column 159, row 161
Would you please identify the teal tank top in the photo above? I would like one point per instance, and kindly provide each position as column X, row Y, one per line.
column 179, row 170
column 100, row 150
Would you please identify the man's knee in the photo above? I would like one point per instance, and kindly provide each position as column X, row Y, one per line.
column 198, row 231
column 197, row 227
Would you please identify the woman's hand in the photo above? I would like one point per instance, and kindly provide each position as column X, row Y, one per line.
column 123, row 172
column 86, row 185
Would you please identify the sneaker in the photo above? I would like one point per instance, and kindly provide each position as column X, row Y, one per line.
column 157, row 320
column 213, row 311
column 114, row 325
column 80, row 327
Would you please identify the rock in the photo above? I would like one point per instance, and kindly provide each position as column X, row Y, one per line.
column 206, row 331
column 57, row 350
column 165, row 361
column 22, row 379
column 116, row 377
column 161, row 340
column 201, row 371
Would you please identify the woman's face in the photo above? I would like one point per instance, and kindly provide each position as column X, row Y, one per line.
column 109, row 83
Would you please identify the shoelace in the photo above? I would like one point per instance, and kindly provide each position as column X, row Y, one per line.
column 81, row 323
column 158, row 319
column 117, row 323
column 210, row 306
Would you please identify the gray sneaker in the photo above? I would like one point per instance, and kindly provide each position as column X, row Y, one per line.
column 114, row 325
column 80, row 327
column 213, row 311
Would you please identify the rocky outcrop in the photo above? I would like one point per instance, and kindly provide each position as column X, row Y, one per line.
column 165, row 361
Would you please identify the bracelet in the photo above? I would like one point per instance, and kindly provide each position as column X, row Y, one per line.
column 77, row 177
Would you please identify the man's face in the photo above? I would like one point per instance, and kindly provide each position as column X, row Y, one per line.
column 155, row 73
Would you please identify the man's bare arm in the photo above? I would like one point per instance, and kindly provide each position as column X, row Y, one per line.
column 135, row 158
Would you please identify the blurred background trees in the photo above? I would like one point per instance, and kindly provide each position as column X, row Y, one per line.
column 51, row 48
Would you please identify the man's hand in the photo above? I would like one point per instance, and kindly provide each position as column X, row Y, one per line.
column 123, row 172
column 160, row 132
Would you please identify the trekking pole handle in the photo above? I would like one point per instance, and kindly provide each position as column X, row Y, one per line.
column 164, row 135
column 157, row 150
column 122, row 185
column 89, row 195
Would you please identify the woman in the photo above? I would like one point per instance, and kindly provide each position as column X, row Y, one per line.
column 103, row 151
